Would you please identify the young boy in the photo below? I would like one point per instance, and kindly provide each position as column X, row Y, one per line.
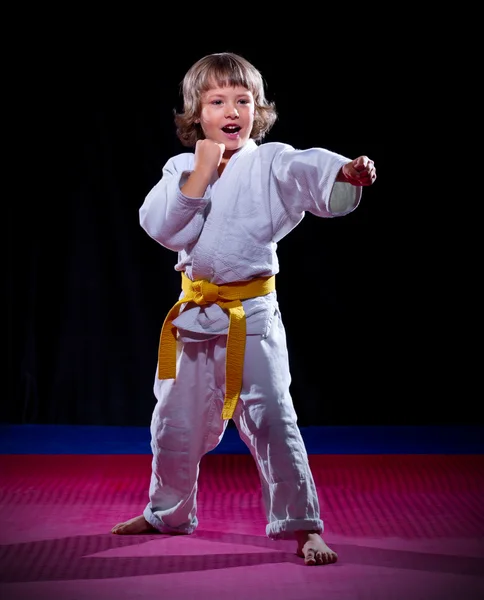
column 223, row 351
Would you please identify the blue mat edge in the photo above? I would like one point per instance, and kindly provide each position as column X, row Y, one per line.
column 94, row 439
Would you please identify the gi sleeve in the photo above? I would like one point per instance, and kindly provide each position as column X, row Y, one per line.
column 305, row 180
column 167, row 215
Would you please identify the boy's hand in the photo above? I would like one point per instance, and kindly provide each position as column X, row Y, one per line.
column 208, row 155
column 360, row 171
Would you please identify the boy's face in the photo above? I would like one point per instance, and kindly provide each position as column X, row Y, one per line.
column 227, row 116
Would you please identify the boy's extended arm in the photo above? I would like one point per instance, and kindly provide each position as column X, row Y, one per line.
column 306, row 180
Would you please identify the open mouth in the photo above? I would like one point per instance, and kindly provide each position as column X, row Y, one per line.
column 231, row 129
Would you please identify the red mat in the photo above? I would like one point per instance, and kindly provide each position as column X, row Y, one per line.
column 405, row 527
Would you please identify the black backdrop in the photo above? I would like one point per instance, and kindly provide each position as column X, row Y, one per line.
column 365, row 305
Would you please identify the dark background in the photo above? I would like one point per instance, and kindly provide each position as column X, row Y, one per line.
column 379, row 311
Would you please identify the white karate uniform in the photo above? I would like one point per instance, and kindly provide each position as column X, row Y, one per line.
column 230, row 235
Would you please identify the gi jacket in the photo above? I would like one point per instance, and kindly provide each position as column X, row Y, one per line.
column 231, row 233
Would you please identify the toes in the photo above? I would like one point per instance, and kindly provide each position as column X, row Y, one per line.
column 313, row 557
column 324, row 558
column 319, row 554
column 119, row 529
column 310, row 557
column 330, row 558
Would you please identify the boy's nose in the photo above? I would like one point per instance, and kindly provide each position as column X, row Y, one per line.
column 232, row 112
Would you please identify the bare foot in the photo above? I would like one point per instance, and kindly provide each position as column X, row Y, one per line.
column 312, row 547
column 134, row 526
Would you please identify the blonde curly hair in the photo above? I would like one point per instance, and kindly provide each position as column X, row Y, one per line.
column 223, row 69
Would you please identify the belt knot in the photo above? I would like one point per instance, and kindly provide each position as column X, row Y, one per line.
column 205, row 292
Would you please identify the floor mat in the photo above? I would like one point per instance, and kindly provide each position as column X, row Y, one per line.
column 404, row 526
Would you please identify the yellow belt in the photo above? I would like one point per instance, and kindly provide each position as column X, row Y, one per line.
column 227, row 296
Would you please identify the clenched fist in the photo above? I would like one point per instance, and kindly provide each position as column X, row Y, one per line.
column 208, row 155
column 360, row 171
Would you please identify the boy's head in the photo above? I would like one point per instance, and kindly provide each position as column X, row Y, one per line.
column 220, row 70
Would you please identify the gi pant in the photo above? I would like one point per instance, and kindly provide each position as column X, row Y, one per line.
column 187, row 423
